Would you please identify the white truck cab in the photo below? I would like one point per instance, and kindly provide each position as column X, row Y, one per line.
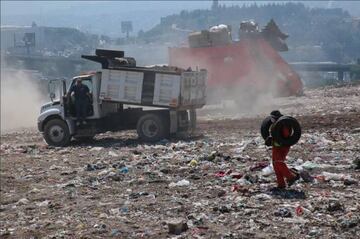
column 157, row 101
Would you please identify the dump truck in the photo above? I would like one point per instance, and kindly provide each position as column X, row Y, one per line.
column 245, row 68
column 157, row 101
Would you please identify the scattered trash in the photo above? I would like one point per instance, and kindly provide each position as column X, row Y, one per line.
column 113, row 154
column 23, row 201
column 177, row 226
column 259, row 166
column 43, row 203
column 243, row 181
column 222, row 209
column 92, row 167
column 299, row 211
column 193, row 163
column 181, row 183
column 357, row 163
column 333, row 176
column 349, row 181
column 283, row 212
column 287, row 193
column 310, row 165
column 335, row 206
column 96, row 149
column 348, row 223
column 115, row 233
column 267, row 171
column 124, row 170
column 355, row 131
column 220, row 174
column 219, row 184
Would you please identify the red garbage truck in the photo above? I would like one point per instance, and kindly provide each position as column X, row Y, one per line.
column 246, row 68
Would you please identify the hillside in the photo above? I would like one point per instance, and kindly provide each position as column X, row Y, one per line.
column 316, row 34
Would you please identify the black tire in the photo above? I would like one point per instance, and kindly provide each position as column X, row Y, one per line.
column 109, row 53
column 56, row 133
column 292, row 124
column 265, row 127
column 152, row 128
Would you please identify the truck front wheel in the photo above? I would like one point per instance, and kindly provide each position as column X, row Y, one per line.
column 56, row 133
column 152, row 128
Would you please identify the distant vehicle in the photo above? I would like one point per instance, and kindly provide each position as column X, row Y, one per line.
column 176, row 94
column 244, row 68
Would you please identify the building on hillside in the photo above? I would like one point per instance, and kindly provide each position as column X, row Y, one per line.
column 21, row 39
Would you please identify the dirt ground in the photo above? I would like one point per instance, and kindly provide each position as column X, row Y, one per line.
column 218, row 183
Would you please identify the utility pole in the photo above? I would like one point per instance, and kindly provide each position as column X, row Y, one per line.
column 126, row 27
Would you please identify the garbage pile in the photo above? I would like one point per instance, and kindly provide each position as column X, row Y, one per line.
column 215, row 36
column 220, row 185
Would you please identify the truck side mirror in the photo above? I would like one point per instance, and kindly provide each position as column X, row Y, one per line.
column 64, row 87
column 52, row 96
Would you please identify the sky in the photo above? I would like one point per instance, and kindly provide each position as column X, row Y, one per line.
column 104, row 17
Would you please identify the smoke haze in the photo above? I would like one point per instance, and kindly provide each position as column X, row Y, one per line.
column 21, row 99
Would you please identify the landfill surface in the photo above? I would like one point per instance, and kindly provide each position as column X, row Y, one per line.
column 215, row 184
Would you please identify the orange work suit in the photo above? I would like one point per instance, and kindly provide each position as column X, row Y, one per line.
column 279, row 154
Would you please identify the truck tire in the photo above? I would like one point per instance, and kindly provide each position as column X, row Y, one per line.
column 56, row 133
column 291, row 123
column 152, row 128
column 265, row 127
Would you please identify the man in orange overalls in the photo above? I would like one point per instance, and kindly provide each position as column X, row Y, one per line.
column 279, row 154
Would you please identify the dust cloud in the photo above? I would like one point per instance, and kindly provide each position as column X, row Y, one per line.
column 21, row 99
column 253, row 93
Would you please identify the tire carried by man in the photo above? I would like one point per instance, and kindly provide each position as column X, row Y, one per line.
column 280, row 133
column 275, row 131
column 292, row 124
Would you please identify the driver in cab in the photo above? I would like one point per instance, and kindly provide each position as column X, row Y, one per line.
column 81, row 93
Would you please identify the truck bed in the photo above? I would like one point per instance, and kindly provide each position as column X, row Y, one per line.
column 158, row 87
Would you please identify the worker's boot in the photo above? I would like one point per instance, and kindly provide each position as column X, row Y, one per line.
column 295, row 178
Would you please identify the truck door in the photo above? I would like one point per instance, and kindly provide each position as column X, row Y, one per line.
column 57, row 89
column 71, row 100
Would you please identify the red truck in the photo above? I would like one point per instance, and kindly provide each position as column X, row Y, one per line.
column 247, row 67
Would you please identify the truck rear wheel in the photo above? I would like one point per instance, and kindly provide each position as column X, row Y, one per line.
column 56, row 133
column 152, row 128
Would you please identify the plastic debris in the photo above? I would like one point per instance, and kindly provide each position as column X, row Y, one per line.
column 113, row 154
column 283, row 212
column 267, row 171
column 333, row 176
column 299, row 211
column 177, row 226
column 193, row 163
column 259, row 166
column 181, row 183
column 335, row 206
column 124, row 170
column 287, row 193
